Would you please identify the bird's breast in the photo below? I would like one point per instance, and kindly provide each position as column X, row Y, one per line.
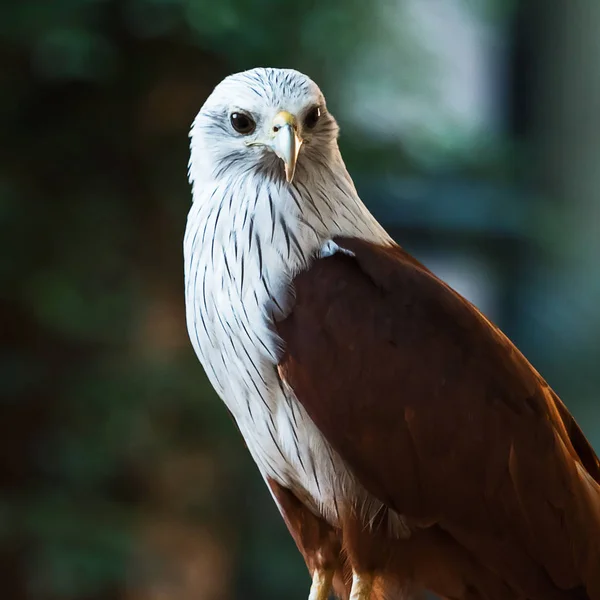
column 234, row 287
column 281, row 437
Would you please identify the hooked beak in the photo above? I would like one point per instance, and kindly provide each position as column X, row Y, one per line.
column 286, row 143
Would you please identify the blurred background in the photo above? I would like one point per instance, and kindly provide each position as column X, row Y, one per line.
column 472, row 130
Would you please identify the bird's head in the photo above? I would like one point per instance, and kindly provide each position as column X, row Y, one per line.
column 270, row 120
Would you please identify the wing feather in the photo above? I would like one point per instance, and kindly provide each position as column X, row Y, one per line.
column 442, row 418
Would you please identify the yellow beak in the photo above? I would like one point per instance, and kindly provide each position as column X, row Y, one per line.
column 286, row 143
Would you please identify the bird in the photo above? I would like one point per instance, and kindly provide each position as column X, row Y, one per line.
column 405, row 440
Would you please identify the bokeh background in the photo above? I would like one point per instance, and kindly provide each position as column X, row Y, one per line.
column 472, row 129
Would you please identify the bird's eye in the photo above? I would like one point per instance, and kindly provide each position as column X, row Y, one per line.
column 242, row 123
column 312, row 118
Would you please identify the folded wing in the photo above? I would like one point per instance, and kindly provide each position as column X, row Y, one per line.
column 440, row 416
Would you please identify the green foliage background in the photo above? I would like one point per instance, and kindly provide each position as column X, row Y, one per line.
column 121, row 474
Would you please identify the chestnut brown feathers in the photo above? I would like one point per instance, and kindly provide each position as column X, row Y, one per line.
column 441, row 418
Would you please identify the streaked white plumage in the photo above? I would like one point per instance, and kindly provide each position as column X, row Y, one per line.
column 249, row 231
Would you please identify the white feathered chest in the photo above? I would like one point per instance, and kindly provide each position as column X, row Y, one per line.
column 243, row 244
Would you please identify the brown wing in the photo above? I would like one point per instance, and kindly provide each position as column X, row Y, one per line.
column 441, row 417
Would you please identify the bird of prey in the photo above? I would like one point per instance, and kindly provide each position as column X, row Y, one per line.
column 405, row 440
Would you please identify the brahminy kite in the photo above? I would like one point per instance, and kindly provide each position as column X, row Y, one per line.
column 406, row 441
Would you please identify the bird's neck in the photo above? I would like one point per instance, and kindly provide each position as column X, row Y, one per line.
column 247, row 236
column 253, row 215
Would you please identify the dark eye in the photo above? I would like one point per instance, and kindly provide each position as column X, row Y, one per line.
column 242, row 123
column 312, row 118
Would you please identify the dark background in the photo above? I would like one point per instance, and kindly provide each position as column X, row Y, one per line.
column 472, row 129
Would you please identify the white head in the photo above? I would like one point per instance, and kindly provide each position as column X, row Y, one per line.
column 270, row 120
